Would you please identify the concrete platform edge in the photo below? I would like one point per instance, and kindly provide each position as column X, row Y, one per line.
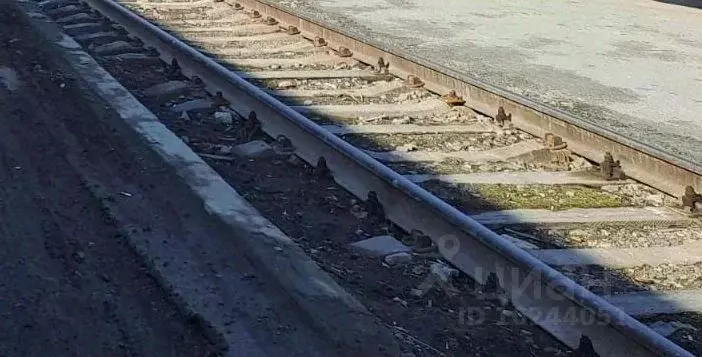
column 332, row 310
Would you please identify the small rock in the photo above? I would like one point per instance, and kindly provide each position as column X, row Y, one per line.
column 286, row 84
column 407, row 147
column 400, row 301
column 225, row 149
column 274, row 66
column 380, row 246
column 9, row 78
column 418, row 270
column 580, row 163
column 655, row 199
column 224, row 118
column 253, row 149
column 278, row 249
column 192, row 105
column 416, row 292
column 403, row 120
column 358, row 212
column 398, row 259
column 442, row 272
column 168, row 90
column 570, row 193
column 307, row 102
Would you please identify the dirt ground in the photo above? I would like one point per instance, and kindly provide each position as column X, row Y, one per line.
column 70, row 283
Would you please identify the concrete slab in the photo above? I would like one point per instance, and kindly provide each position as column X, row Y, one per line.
column 222, row 36
column 658, row 302
column 580, row 215
column 255, row 52
column 498, row 154
column 519, row 178
column 427, row 107
column 374, row 90
column 686, row 254
column 319, row 59
column 407, row 129
column 351, row 73
column 633, row 67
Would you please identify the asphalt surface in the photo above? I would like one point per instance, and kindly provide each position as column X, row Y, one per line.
column 77, row 189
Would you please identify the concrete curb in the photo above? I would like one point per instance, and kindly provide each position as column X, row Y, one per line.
column 332, row 310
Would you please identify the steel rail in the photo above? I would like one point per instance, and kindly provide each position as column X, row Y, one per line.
column 565, row 309
column 642, row 162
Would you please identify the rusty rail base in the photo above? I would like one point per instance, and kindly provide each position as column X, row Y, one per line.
column 560, row 306
column 641, row 162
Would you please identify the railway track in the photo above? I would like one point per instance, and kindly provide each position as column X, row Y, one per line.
column 240, row 82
